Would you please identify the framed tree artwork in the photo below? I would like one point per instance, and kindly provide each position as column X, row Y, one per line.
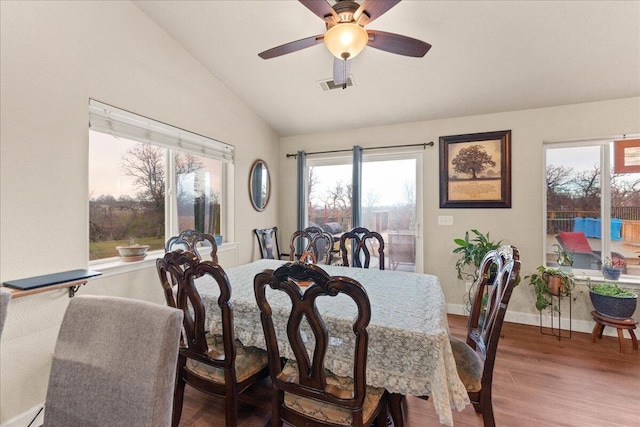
column 475, row 170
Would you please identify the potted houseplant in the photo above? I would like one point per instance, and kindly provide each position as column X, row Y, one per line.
column 611, row 300
column 612, row 268
column 472, row 251
column 564, row 258
column 548, row 282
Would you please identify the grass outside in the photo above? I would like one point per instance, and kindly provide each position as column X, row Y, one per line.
column 107, row 249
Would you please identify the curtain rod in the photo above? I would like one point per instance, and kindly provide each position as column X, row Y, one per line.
column 423, row 145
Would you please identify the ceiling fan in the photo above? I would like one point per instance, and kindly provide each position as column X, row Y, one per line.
column 346, row 37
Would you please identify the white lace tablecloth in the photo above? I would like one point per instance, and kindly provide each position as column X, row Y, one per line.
column 409, row 349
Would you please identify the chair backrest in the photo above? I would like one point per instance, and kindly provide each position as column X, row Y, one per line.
column 311, row 240
column 168, row 278
column 268, row 242
column 185, row 268
column 363, row 242
column 114, row 364
column 499, row 274
column 188, row 240
column 5, row 298
column 311, row 379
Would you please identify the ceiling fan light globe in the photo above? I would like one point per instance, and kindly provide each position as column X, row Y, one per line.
column 346, row 40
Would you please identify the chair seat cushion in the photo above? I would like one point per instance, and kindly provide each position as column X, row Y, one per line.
column 249, row 360
column 327, row 412
column 468, row 363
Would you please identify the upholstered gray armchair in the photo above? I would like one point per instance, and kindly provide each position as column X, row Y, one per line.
column 5, row 297
column 114, row 364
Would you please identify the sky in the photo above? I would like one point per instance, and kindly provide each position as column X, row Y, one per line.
column 384, row 181
column 106, row 175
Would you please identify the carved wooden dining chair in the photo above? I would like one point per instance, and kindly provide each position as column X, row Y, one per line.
column 212, row 362
column 312, row 240
column 193, row 241
column 476, row 357
column 268, row 243
column 304, row 392
column 363, row 242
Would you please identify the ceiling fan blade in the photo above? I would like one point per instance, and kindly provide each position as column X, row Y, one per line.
column 291, row 47
column 322, row 9
column 372, row 9
column 341, row 70
column 395, row 43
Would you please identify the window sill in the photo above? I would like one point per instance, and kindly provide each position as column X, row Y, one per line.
column 628, row 281
column 113, row 266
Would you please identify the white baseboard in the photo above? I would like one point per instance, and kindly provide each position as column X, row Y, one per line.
column 33, row 417
column 585, row 326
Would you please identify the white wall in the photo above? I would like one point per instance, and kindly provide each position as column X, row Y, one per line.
column 54, row 57
column 522, row 224
column 57, row 55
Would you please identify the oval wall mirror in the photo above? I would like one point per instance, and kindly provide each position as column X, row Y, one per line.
column 259, row 185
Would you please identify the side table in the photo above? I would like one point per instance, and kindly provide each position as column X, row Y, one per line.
column 620, row 324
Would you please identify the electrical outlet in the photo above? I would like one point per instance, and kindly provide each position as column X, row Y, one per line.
column 445, row 220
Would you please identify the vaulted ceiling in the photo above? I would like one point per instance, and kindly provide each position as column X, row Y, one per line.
column 487, row 57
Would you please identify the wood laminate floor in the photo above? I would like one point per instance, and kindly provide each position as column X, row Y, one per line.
column 538, row 381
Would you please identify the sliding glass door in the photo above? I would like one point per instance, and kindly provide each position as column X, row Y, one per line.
column 390, row 201
column 389, row 205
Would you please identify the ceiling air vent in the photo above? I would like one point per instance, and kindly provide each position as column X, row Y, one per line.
column 331, row 85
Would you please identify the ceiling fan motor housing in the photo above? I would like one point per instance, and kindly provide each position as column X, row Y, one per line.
column 345, row 10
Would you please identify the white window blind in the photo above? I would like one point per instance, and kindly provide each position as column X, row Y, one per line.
column 121, row 123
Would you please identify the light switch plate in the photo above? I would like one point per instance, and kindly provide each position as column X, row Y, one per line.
column 445, row 220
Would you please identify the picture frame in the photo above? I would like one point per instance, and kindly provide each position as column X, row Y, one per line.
column 626, row 156
column 475, row 170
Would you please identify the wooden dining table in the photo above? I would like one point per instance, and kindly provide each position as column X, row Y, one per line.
column 409, row 348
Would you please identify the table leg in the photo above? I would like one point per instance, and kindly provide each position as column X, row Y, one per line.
column 397, row 403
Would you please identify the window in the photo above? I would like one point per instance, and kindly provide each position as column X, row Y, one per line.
column 590, row 208
column 149, row 180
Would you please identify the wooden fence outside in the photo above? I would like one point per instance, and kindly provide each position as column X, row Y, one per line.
column 558, row 221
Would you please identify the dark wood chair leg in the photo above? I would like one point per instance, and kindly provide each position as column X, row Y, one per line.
column 231, row 410
column 486, row 406
column 381, row 419
column 178, row 394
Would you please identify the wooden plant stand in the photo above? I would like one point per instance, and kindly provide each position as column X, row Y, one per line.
column 620, row 324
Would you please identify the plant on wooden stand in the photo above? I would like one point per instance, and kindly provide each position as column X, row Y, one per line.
column 611, row 300
column 549, row 282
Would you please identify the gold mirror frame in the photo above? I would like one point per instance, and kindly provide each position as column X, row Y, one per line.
column 259, row 185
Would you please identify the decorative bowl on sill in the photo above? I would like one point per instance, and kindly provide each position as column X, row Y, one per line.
column 130, row 253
